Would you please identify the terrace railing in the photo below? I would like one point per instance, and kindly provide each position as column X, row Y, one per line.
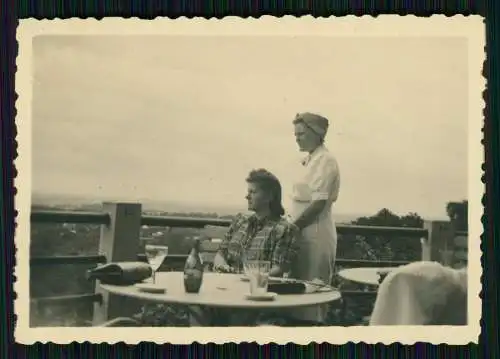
column 120, row 241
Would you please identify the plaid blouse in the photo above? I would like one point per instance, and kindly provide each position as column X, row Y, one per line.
column 268, row 239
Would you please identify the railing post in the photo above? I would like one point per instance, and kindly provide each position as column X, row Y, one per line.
column 119, row 242
column 435, row 246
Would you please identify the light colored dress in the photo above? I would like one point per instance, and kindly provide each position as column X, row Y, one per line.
column 319, row 180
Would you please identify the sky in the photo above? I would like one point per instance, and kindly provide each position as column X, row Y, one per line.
column 185, row 118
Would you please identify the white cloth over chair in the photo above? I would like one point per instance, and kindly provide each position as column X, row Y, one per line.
column 422, row 293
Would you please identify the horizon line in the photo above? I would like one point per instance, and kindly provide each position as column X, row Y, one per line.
column 96, row 200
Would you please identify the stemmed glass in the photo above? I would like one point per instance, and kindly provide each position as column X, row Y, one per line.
column 155, row 254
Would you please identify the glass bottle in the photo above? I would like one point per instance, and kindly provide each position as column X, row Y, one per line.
column 193, row 269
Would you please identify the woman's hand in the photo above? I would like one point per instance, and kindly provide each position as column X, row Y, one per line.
column 220, row 264
column 310, row 214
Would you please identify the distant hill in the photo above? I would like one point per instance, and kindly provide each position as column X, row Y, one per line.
column 74, row 201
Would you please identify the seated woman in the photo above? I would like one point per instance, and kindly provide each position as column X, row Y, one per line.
column 422, row 293
column 262, row 235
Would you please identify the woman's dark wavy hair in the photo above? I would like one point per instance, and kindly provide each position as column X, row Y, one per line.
column 269, row 183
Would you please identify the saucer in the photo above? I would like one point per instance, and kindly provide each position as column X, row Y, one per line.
column 150, row 288
column 262, row 297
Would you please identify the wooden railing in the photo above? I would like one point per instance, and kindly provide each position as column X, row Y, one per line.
column 120, row 232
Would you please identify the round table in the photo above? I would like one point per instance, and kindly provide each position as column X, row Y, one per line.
column 369, row 276
column 218, row 291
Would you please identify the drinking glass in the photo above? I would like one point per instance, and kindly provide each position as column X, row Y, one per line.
column 258, row 274
column 244, row 266
column 247, row 256
column 155, row 254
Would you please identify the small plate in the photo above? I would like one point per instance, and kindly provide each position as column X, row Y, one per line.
column 262, row 297
column 244, row 278
column 150, row 288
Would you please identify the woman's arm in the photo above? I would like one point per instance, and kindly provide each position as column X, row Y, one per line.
column 322, row 184
column 310, row 214
column 220, row 259
column 285, row 250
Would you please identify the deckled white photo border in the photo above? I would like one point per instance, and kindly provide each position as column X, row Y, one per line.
column 471, row 27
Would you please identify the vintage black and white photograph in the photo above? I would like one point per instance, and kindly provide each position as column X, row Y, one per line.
column 322, row 178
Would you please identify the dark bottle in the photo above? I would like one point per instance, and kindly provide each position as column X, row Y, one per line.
column 120, row 273
column 193, row 269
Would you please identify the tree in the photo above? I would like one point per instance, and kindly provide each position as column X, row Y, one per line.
column 459, row 214
column 375, row 247
column 386, row 218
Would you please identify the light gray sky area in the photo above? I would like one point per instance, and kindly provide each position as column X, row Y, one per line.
column 186, row 118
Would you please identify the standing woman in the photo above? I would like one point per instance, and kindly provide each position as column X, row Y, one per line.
column 314, row 192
